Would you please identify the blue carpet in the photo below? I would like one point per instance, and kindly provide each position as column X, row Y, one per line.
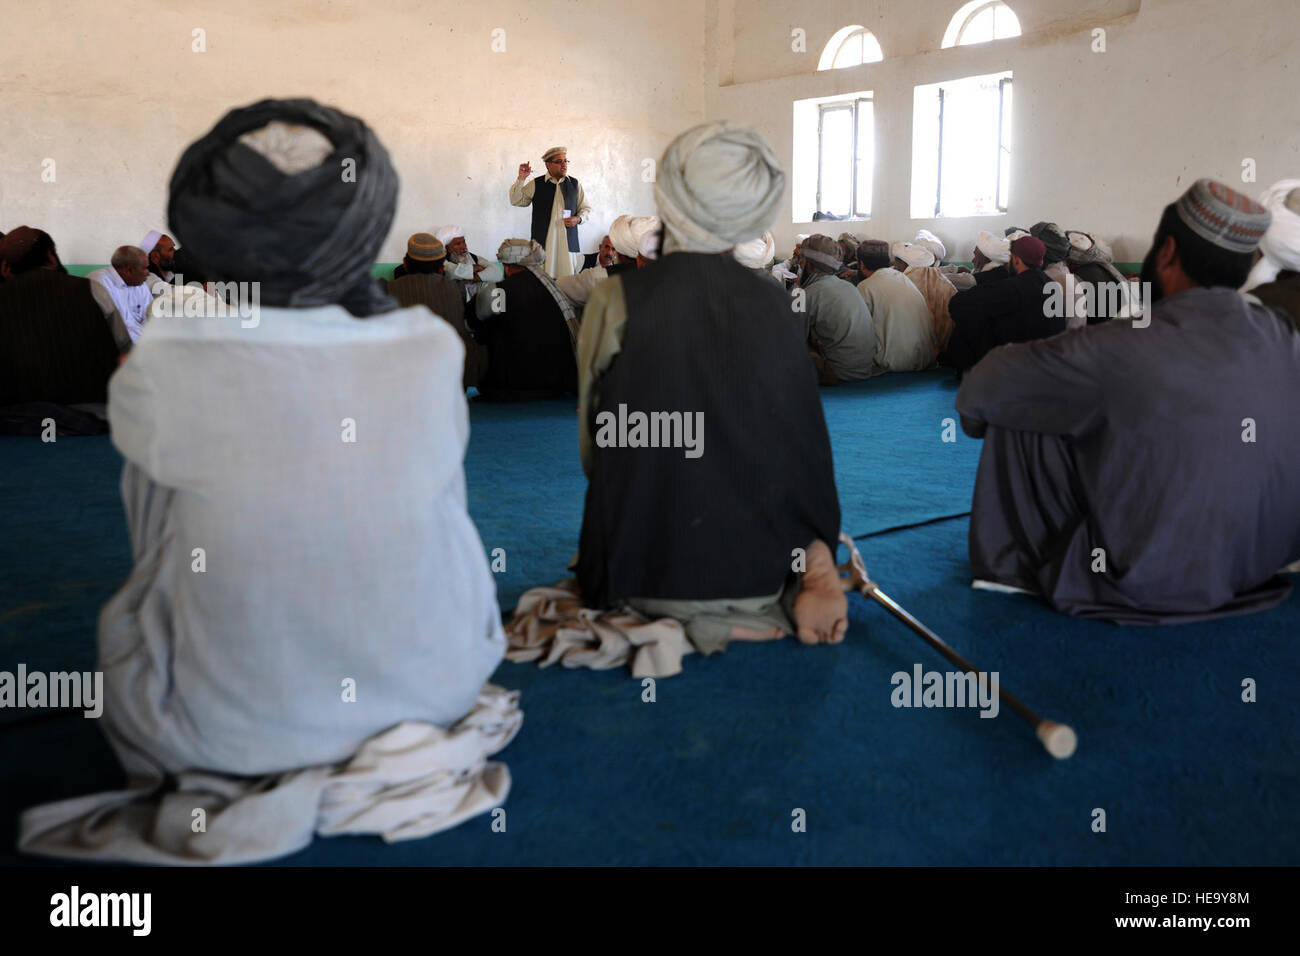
column 711, row 772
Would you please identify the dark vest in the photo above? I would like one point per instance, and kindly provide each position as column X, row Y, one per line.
column 544, row 198
column 704, row 334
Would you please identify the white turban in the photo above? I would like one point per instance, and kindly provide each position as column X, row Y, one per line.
column 626, row 233
column 446, row 234
column 1086, row 248
column 757, row 253
column 1281, row 243
column 924, row 237
column 1015, row 234
column 150, row 241
column 521, row 252
column 995, row 248
column 916, row 256
column 718, row 185
column 649, row 247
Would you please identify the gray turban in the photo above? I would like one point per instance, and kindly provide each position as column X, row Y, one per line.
column 308, row 232
column 521, row 252
column 822, row 253
column 1053, row 237
column 719, row 185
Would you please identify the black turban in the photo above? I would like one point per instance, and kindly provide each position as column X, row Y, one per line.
column 309, row 238
column 1054, row 238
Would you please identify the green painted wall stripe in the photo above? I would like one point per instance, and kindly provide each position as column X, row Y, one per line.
column 384, row 270
column 380, row 270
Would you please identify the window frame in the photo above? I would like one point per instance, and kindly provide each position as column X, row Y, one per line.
column 854, row 106
column 842, row 37
column 1000, row 202
column 953, row 37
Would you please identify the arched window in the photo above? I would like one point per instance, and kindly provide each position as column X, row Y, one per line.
column 980, row 21
column 851, row 46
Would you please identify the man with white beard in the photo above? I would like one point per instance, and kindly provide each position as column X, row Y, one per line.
column 471, row 271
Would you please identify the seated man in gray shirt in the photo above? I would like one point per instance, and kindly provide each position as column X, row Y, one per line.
column 840, row 330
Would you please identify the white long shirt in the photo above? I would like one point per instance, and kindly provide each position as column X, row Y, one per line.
column 559, row 260
column 316, row 459
column 463, row 272
column 578, row 287
column 904, row 326
column 131, row 301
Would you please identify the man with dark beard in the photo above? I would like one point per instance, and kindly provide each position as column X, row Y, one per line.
column 168, row 264
column 995, row 313
column 1146, row 471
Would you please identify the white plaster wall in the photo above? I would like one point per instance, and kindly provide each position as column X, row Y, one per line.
column 1102, row 141
column 113, row 92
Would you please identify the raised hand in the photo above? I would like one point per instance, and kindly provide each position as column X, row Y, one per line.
column 525, row 170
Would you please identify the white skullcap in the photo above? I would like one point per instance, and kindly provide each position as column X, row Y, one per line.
column 1280, row 247
column 916, row 256
column 521, row 252
column 757, row 253
column 150, row 241
column 924, row 237
column 446, row 234
column 995, row 248
column 718, row 184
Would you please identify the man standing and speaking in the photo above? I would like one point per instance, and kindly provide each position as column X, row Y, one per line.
column 558, row 206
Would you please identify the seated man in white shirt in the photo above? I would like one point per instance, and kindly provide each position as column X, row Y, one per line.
column 472, row 271
column 578, row 287
column 904, row 327
column 293, row 653
column 120, row 288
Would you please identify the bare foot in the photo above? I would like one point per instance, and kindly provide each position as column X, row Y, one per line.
column 821, row 610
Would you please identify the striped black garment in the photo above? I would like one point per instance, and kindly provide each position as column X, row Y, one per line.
column 55, row 343
column 706, row 335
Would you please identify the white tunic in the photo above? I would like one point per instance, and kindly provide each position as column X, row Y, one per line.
column 131, row 301
column 306, row 574
column 904, row 326
column 578, row 288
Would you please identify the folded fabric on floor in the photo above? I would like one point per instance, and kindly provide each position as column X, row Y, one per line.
column 552, row 624
column 410, row 781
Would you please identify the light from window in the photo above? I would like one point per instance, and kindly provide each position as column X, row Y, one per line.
column 850, row 46
column 981, row 21
column 961, row 147
column 845, row 159
column 834, row 157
